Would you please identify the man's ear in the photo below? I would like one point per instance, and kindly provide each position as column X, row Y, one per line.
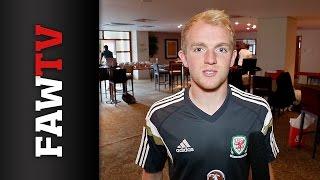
column 233, row 58
column 183, row 58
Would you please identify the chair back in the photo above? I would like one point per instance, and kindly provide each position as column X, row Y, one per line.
column 118, row 76
column 310, row 99
column 103, row 74
column 261, row 85
column 175, row 66
column 249, row 65
column 155, row 67
column 235, row 79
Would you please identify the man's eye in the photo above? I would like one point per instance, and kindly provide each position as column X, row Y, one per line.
column 198, row 49
column 222, row 50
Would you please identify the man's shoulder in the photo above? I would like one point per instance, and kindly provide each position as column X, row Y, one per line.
column 166, row 106
column 250, row 101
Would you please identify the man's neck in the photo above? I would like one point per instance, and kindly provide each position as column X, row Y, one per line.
column 208, row 101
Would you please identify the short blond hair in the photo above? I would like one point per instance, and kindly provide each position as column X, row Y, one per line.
column 213, row 17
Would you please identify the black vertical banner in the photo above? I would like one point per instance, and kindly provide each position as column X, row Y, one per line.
column 56, row 139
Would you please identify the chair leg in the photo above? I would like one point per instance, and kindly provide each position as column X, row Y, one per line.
column 132, row 87
column 301, row 129
column 115, row 94
column 159, row 82
column 111, row 92
column 124, row 88
column 100, row 90
column 171, row 82
column 105, row 88
column 155, row 82
column 315, row 140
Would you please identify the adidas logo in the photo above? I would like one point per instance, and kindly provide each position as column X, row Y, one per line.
column 184, row 147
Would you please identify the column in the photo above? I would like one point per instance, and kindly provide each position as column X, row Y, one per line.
column 140, row 52
column 276, row 43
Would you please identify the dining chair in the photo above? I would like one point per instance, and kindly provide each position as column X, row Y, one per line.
column 157, row 74
column 117, row 76
column 310, row 102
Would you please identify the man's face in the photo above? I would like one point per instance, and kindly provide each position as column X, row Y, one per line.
column 209, row 55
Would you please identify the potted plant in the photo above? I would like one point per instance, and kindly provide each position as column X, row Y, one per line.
column 153, row 45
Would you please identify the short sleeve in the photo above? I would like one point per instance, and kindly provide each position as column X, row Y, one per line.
column 152, row 153
column 271, row 145
column 259, row 155
column 268, row 138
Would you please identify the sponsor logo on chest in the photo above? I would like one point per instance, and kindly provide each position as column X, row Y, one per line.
column 184, row 146
column 239, row 146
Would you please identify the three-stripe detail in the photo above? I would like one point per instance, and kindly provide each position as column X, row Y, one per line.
column 143, row 149
column 273, row 144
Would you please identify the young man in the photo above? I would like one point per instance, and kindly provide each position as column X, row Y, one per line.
column 204, row 131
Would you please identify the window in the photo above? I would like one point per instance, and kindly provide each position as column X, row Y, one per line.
column 119, row 42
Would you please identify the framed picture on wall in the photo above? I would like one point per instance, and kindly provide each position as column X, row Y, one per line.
column 171, row 48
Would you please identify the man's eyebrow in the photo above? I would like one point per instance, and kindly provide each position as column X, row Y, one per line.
column 203, row 44
column 223, row 44
column 198, row 44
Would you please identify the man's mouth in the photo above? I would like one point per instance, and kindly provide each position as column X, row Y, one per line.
column 209, row 73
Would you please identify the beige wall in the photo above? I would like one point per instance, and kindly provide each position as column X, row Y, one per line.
column 310, row 50
column 161, row 40
column 140, row 52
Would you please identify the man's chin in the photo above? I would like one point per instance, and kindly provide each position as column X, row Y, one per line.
column 210, row 86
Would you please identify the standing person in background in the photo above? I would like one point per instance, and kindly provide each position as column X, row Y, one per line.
column 204, row 131
column 244, row 53
column 106, row 53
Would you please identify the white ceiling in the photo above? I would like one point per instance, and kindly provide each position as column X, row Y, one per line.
column 168, row 14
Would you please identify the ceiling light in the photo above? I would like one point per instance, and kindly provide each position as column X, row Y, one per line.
column 236, row 23
column 248, row 28
column 180, row 26
column 248, row 24
column 254, row 26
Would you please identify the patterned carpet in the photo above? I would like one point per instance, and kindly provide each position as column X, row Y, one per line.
column 121, row 127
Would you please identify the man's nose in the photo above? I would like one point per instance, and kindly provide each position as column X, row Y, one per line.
column 210, row 57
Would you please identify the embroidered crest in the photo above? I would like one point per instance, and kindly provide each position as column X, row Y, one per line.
column 239, row 146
